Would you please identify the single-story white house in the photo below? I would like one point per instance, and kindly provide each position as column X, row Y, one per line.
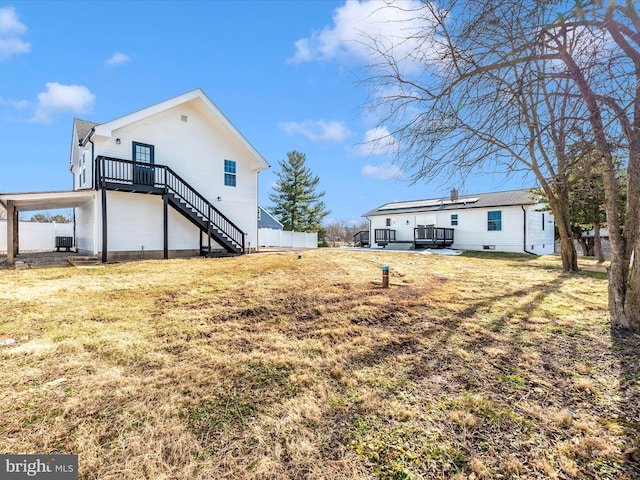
column 512, row 221
column 172, row 180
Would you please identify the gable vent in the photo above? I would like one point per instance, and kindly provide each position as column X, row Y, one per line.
column 184, row 118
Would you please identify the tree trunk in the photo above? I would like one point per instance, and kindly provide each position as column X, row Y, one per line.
column 583, row 245
column 624, row 271
column 626, row 274
column 568, row 252
column 597, row 242
column 590, row 247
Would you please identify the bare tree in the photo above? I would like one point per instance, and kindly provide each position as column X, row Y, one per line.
column 516, row 85
column 335, row 232
column 607, row 79
column 484, row 101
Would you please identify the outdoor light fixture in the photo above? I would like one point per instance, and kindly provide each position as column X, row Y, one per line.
column 118, row 141
column 219, row 199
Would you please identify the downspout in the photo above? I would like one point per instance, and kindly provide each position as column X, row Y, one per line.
column 93, row 160
column 524, row 231
column 95, row 186
column 94, row 179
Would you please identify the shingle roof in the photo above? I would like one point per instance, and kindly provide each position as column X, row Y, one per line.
column 83, row 127
column 483, row 200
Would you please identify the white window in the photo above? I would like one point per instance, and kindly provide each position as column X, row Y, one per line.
column 83, row 170
column 230, row 173
column 494, row 220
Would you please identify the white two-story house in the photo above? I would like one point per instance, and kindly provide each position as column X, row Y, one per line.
column 175, row 179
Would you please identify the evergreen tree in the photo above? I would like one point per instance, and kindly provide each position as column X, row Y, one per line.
column 296, row 203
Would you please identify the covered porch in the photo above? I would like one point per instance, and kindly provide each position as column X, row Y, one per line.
column 15, row 203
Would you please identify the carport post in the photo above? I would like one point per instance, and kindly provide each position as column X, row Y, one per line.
column 12, row 233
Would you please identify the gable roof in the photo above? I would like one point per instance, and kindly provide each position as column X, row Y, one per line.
column 82, row 128
column 483, row 200
column 267, row 220
column 196, row 95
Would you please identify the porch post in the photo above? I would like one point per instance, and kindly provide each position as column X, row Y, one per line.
column 165, row 201
column 16, row 231
column 11, row 240
column 104, row 225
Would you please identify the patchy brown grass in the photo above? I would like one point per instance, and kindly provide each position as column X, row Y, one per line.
column 270, row 366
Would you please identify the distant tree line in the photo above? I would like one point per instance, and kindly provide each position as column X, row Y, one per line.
column 338, row 232
column 50, row 218
column 41, row 217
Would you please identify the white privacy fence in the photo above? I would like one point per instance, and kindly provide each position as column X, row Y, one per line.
column 33, row 236
column 268, row 237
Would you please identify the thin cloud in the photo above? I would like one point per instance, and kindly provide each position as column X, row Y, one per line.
column 118, row 58
column 318, row 130
column 396, row 25
column 387, row 171
column 377, row 141
column 17, row 104
column 62, row 98
column 11, row 31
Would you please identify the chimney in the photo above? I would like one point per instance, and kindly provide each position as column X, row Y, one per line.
column 454, row 194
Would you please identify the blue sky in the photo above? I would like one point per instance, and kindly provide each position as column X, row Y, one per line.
column 286, row 73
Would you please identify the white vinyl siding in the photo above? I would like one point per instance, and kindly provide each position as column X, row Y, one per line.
column 136, row 223
column 85, row 228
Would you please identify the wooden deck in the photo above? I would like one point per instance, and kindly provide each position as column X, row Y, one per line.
column 423, row 237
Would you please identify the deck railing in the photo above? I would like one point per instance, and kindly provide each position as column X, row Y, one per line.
column 361, row 238
column 384, row 235
column 162, row 179
column 434, row 235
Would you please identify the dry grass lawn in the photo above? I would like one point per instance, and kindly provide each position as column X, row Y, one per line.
column 274, row 366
